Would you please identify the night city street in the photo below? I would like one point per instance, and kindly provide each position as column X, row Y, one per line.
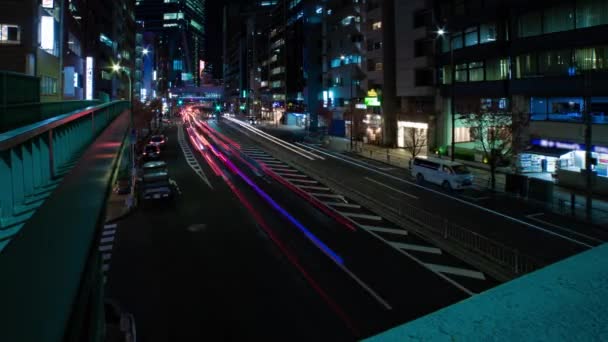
column 303, row 170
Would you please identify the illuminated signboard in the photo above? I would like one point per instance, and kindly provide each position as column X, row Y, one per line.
column 48, row 3
column 89, row 78
column 567, row 145
column 47, row 33
column 372, row 102
column 361, row 106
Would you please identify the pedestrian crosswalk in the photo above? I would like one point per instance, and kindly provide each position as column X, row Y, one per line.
column 408, row 243
column 106, row 243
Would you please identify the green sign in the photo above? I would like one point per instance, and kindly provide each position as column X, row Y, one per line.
column 372, row 102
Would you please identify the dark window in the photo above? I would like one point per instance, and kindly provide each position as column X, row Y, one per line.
column 422, row 18
column 424, row 77
column 423, row 47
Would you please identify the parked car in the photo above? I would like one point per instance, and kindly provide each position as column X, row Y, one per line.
column 159, row 140
column 151, row 152
column 450, row 175
column 156, row 186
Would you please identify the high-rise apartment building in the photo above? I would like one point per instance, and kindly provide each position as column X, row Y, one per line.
column 178, row 27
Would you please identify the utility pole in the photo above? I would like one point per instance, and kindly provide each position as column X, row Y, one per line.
column 588, row 139
column 452, row 99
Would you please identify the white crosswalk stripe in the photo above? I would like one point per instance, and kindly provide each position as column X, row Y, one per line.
column 343, row 205
column 416, row 248
column 457, row 271
column 310, row 187
column 362, row 216
column 385, row 230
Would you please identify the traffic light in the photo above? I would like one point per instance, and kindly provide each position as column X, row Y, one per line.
column 243, row 107
column 180, row 102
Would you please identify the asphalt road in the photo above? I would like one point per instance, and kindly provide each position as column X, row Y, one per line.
column 530, row 229
column 223, row 281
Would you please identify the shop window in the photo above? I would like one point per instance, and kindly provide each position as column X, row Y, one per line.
column 476, row 71
column 595, row 58
column 445, row 44
column 554, row 62
column 462, row 134
column 591, row 13
column 565, row 109
column 497, row 69
column 530, row 24
column 559, row 18
column 487, row 33
column 471, row 36
column 538, row 109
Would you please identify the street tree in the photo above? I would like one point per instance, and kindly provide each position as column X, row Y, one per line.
column 415, row 140
column 495, row 134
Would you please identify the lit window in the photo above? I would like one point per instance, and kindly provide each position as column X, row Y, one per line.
column 170, row 16
column 10, row 34
column 377, row 25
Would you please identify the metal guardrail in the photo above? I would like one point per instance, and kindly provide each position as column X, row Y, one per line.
column 17, row 115
column 34, row 157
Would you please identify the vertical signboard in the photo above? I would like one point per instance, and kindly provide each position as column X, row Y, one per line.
column 48, row 3
column 89, row 78
column 47, row 33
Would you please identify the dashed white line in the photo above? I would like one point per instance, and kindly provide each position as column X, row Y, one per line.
column 362, row 216
column 318, row 194
column 456, row 271
column 343, row 205
column 307, row 181
column 385, row 230
column 286, row 175
column 310, row 187
column 417, row 248
column 107, row 239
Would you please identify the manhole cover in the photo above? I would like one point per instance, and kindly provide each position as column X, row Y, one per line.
column 195, row 228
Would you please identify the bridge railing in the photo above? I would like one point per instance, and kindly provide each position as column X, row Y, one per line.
column 33, row 159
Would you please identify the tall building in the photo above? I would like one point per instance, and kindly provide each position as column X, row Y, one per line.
column 54, row 39
column 178, row 28
column 546, row 61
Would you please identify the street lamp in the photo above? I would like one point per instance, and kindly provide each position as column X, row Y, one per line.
column 145, row 51
column 352, row 110
column 117, row 68
column 443, row 33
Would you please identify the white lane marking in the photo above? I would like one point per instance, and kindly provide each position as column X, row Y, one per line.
column 317, row 194
column 309, row 187
column 510, row 218
column 105, row 267
column 307, row 181
column 362, row 216
column 109, row 226
column 107, row 239
column 108, row 232
column 186, row 150
column 257, row 153
column 391, row 188
column 265, row 158
column 457, row 271
column 355, row 160
column 273, row 162
column 287, row 175
column 105, row 248
column 106, row 256
column 385, row 230
column 535, row 218
column 282, row 169
column 343, row 205
column 417, row 248
column 277, row 141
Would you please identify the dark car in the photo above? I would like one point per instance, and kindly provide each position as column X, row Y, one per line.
column 159, row 140
column 253, row 120
column 151, row 152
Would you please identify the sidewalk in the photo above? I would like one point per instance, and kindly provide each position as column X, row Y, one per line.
column 399, row 157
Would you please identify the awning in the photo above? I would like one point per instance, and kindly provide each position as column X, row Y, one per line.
column 546, row 151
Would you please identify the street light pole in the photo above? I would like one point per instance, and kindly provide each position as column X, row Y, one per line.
column 442, row 32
